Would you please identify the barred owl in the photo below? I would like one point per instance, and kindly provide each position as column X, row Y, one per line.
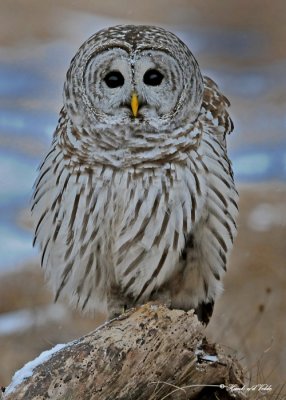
column 135, row 199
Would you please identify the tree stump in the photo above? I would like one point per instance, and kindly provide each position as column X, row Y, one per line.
column 149, row 352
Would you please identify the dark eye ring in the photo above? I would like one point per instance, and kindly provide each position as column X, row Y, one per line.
column 153, row 77
column 114, row 79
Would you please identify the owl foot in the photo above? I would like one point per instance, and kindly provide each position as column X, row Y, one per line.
column 117, row 311
column 204, row 312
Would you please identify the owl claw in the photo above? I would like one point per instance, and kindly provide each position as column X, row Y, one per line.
column 204, row 312
column 117, row 311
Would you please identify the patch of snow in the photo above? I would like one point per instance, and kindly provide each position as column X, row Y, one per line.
column 265, row 216
column 22, row 320
column 28, row 368
column 206, row 357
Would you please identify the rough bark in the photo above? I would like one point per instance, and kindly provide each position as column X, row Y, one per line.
column 147, row 353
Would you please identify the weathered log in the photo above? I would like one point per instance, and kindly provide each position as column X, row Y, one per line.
column 147, row 353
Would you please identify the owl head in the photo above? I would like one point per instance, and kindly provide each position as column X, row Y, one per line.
column 138, row 76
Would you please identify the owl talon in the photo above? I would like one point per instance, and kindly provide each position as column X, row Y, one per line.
column 117, row 313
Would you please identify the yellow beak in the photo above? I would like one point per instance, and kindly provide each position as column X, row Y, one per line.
column 134, row 104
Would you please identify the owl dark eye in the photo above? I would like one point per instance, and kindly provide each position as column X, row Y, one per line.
column 153, row 77
column 114, row 79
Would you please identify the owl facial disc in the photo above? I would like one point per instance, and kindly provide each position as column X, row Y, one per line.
column 120, row 69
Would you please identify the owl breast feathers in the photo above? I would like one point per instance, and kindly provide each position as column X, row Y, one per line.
column 135, row 199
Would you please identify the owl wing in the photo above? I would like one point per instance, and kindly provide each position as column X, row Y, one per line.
column 212, row 237
column 215, row 113
column 63, row 198
column 46, row 201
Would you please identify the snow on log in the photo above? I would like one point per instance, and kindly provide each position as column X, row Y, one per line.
column 149, row 352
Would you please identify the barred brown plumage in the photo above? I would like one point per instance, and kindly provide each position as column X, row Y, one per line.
column 127, row 207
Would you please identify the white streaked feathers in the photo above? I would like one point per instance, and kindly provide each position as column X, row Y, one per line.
column 131, row 212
